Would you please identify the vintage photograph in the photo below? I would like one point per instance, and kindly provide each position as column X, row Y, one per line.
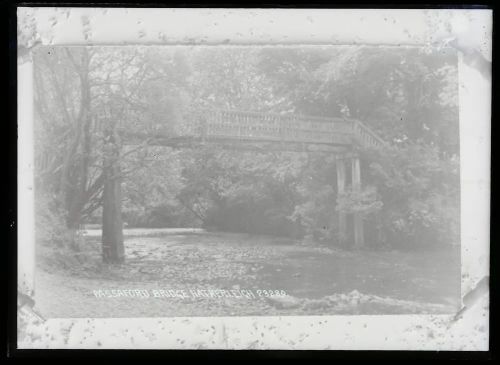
column 233, row 191
column 208, row 181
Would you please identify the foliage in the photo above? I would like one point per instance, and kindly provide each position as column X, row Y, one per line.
column 57, row 245
column 407, row 95
column 80, row 93
column 50, row 227
column 420, row 192
column 242, row 191
column 150, row 191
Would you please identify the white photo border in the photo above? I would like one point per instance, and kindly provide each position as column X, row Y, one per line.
column 147, row 26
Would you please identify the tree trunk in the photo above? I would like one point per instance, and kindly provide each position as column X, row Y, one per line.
column 113, row 250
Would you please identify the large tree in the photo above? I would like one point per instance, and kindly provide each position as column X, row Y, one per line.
column 85, row 98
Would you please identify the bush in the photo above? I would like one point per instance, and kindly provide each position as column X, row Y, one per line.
column 252, row 217
column 162, row 215
column 410, row 198
column 420, row 192
column 57, row 247
column 50, row 223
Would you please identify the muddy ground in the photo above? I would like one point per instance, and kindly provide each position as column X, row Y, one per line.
column 317, row 279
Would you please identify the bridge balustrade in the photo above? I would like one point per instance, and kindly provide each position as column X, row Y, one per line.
column 257, row 126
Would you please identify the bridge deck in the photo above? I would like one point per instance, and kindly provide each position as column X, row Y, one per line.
column 251, row 130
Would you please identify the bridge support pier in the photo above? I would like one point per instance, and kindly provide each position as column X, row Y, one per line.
column 340, row 164
column 356, row 188
column 113, row 250
column 359, row 239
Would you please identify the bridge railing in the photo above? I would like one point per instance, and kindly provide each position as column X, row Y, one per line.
column 258, row 126
column 275, row 127
column 366, row 136
column 248, row 126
